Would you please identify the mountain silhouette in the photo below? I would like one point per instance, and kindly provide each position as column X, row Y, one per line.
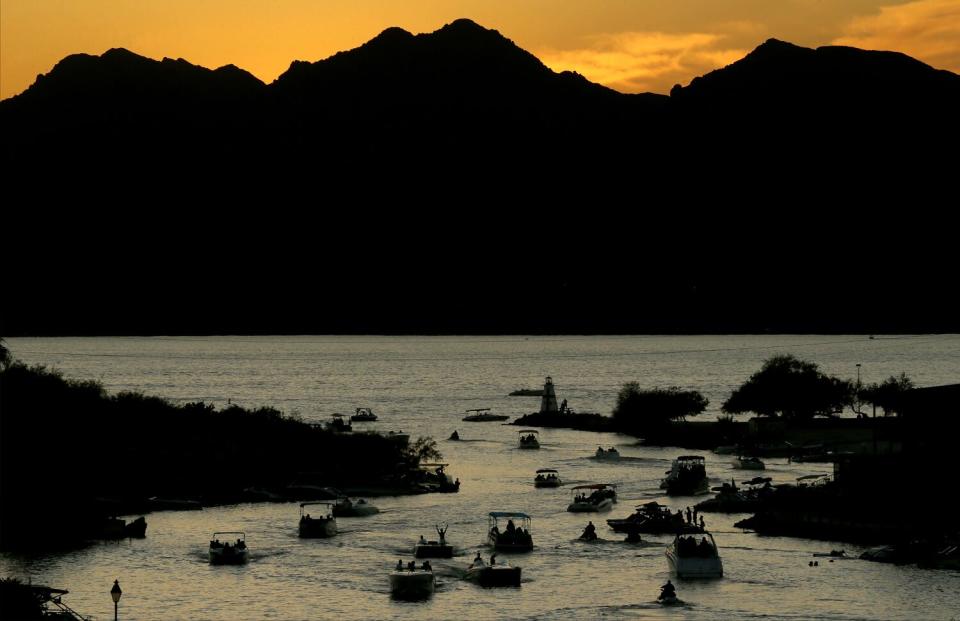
column 559, row 203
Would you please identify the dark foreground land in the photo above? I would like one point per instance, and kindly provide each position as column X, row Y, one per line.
column 72, row 455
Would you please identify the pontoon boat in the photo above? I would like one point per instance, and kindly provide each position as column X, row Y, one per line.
column 228, row 552
column 547, row 477
column 510, row 538
column 482, row 415
column 324, row 525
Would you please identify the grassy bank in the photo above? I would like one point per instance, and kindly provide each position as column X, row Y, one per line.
column 65, row 444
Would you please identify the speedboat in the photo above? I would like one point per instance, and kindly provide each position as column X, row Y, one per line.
column 686, row 477
column 345, row 507
column 482, row 415
column 412, row 582
column 748, row 463
column 652, row 518
column 594, row 497
column 511, row 538
column 228, row 552
column 608, row 454
column 693, row 554
column 325, row 525
column 528, row 439
column 434, row 549
column 493, row 575
column 364, row 415
column 547, row 477
column 433, row 478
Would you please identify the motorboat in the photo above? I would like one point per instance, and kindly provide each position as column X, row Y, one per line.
column 651, row 518
column 118, row 528
column 748, row 463
column 482, row 415
column 228, row 552
column 687, row 477
column 412, row 582
column 434, row 549
column 338, row 423
column 527, row 392
column 363, row 415
column 494, row 574
column 733, row 499
column 434, row 478
column 510, row 538
column 608, row 454
column 693, row 554
column 344, row 507
column 324, row 525
column 547, row 477
column 593, row 498
column 529, row 438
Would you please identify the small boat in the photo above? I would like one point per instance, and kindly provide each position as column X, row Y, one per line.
column 482, row 415
column 527, row 392
column 529, row 439
column 687, row 477
column 412, row 582
column 325, row 525
column 227, row 552
column 338, row 423
column 651, row 518
column 511, row 538
column 344, row 507
column 609, row 454
column 118, row 528
column 403, row 439
column 547, row 477
column 364, row 415
column 748, row 463
column 434, row 549
column 493, row 575
column 433, row 478
column 693, row 554
column 593, row 498
column 833, row 554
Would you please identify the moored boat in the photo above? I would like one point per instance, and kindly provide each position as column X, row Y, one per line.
column 324, row 525
column 693, row 554
column 338, row 423
column 228, row 552
column 412, row 582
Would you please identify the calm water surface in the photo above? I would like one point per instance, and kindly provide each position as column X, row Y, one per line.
column 422, row 385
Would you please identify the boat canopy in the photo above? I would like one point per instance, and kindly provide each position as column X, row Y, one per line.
column 547, row 470
column 230, row 532
column 812, row 476
column 307, row 504
column 594, row 486
column 690, row 458
column 432, row 465
column 529, row 431
column 509, row 514
column 479, row 410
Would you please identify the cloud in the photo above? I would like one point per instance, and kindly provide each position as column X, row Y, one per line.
column 925, row 29
column 636, row 62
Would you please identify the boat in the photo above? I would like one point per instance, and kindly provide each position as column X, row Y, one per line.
column 528, row 439
column 493, row 575
column 594, row 497
column 652, row 518
column 454, row 436
column 227, row 552
column 511, row 538
column 338, row 423
column 434, row 549
column 547, row 477
column 732, row 499
column 527, row 392
column 748, row 463
column 412, row 582
column 118, row 528
column 686, row 477
column 433, row 478
column 364, row 415
column 344, row 507
column 610, row 454
column 482, row 415
column 693, row 554
column 403, row 439
column 325, row 525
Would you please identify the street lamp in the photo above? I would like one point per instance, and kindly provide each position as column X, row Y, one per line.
column 115, row 593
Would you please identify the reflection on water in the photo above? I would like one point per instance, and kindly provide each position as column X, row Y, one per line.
column 423, row 386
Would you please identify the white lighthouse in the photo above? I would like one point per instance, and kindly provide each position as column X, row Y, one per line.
column 548, row 402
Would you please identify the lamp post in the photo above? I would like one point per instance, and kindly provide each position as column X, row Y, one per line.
column 115, row 593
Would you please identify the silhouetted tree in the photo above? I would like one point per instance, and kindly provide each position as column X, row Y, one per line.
column 424, row 450
column 792, row 388
column 639, row 409
column 888, row 393
column 5, row 358
column 20, row 601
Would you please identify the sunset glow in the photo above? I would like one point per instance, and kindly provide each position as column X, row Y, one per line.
column 632, row 46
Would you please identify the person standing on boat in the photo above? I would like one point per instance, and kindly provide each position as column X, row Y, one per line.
column 689, row 513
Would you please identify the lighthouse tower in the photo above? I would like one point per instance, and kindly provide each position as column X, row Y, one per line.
column 548, row 402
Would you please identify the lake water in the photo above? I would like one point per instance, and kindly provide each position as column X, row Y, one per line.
column 422, row 385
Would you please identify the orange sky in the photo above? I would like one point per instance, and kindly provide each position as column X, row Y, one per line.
column 630, row 45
